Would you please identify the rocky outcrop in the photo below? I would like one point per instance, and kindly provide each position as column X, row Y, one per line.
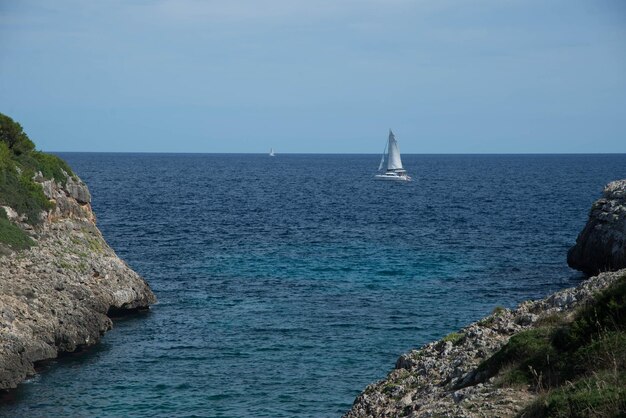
column 55, row 296
column 601, row 246
column 442, row 379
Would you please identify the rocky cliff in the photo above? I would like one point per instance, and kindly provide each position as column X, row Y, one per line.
column 56, row 295
column 601, row 245
column 558, row 356
column 443, row 378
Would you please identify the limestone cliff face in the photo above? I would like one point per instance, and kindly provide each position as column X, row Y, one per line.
column 601, row 246
column 55, row 296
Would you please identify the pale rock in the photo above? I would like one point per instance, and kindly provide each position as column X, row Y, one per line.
column 50, row 301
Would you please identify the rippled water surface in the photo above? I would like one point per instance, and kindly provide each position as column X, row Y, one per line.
column 287, row 284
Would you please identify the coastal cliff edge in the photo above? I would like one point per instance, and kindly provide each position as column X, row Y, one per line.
column 564, row 355
column 59, row 289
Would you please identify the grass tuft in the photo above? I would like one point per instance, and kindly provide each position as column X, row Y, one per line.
column 454, row 337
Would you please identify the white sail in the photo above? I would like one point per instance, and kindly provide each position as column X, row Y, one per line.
column 271, row 152
column 393, row 159
column 382, row 159
column 395, row 171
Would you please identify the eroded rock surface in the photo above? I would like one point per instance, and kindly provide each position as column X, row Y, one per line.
column 601, row 245
column 441, row 378
column 55, row 296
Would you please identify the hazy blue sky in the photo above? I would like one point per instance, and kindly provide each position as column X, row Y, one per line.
column 316, row 76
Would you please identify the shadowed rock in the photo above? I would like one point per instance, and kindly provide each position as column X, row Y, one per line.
column 601, row 246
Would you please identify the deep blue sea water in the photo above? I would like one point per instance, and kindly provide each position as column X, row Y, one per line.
column 288, row 284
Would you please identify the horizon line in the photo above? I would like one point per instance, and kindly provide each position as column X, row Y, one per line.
column 331, row 153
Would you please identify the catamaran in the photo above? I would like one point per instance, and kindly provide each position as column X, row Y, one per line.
column 272, row 152
column 394, row 171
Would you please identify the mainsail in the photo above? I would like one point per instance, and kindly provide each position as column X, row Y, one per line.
column 393, row 159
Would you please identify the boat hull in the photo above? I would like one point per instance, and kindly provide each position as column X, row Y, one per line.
column 391, row 177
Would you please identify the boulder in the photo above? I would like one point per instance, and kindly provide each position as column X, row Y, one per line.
column 601, row 245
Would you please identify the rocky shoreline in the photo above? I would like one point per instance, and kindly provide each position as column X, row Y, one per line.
column 440, row 379
column 444, row 378
column 57, row 295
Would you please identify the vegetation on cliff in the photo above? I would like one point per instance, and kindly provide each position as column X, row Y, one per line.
column 56, row 296
column 19, row 163
column 577, row 363
column 12, row 235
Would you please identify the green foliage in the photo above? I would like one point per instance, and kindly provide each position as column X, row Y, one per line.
column 12, row 134
column 599, row 395
column 23, row 195
column 532, row 357
column 11, row 235
column 606, row 313
column 605, row 352
column 579, row 366
column 19, row 162
column 513, row 377
column 454, row 337
column 6, row 163
column 548, row 356
column 50, row 166
column 551, row 320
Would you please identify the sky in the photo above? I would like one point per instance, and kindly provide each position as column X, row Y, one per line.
column 325, row 76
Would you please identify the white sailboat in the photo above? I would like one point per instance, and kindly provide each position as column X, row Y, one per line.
column 395, row 171
column 272, row 152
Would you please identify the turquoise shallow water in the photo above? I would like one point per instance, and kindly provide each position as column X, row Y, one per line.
column 288, row 284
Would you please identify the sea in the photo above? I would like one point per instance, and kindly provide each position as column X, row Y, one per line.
column 286, row 285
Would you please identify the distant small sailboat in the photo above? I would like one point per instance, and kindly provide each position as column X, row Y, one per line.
column 394, row 171
column 272, row 152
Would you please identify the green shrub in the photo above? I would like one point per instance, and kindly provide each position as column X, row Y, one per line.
column 6, row 162
column 607, row 312
column 600, row 395
column 12, row 134
column 608, row 351
column 579, row 365
column 530, row 358
column 23, row 195
column 551, row 320
column 513, row 377
column 50, row 166
column 19, row 162
column 11, row 235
